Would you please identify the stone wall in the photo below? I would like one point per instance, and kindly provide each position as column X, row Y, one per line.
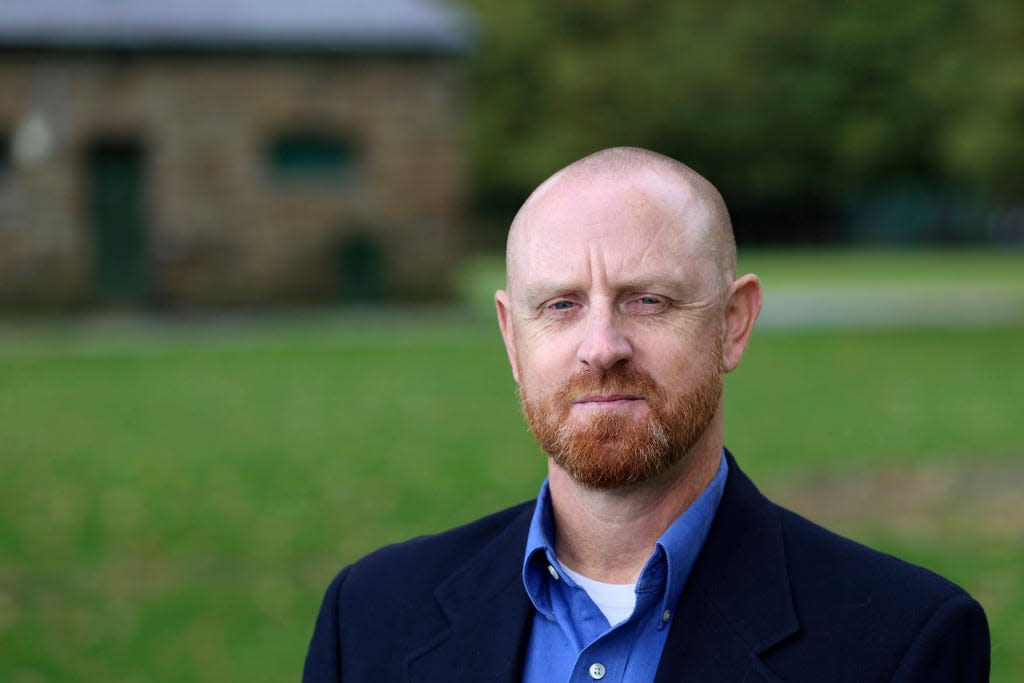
column 222, row 227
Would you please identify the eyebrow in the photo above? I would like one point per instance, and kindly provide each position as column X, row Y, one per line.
column 656, row 281
column 540, row 291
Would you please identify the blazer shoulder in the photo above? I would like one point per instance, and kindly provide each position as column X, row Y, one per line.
column 405, row 600
column 386, row 606
column 855, row 569
column 895, row 614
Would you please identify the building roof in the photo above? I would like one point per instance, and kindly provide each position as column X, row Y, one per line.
column 227, row 25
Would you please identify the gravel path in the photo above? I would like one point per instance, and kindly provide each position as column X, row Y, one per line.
column 890, row 306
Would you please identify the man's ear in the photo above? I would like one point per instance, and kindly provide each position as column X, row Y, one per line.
column 504, row 307
column 740, row 315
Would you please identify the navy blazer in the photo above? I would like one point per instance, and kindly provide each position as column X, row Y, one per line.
column 772, row 597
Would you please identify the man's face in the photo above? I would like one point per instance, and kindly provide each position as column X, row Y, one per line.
column 613, row 324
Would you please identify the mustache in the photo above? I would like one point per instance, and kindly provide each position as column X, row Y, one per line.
column 622, row 378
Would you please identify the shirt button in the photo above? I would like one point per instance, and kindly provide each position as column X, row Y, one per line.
column 666, row 615
column 553, row 572
column 597, row 671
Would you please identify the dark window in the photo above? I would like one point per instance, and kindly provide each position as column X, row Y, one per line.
column 361, row 268
column 311, row 157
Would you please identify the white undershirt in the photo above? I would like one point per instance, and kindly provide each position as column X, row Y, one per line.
column 615, row 600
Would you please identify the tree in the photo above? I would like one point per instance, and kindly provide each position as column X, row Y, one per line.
column 794, row 109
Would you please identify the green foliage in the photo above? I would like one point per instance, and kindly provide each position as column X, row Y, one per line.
column 779, row 103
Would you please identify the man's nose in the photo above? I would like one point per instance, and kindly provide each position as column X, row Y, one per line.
column 604, row 344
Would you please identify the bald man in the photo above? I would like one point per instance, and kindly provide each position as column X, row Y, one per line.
column 647, row 555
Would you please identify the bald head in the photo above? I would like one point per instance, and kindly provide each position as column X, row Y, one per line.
column 693, row 207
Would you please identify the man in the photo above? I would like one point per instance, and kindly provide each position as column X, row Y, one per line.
column 648, row 555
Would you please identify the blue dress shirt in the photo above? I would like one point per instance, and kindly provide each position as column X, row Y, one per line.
column 571, row 640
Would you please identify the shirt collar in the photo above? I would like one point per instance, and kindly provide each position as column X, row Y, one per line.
column 540, row 554
column 674, row 554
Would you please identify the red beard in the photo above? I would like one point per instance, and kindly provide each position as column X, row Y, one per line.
column 616, row 450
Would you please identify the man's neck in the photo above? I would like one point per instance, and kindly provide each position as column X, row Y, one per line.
column 609, row 535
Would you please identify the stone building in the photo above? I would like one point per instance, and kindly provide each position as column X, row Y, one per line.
column 228, row 152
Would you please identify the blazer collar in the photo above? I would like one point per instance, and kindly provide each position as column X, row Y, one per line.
column 737, row 603
column 489, row 615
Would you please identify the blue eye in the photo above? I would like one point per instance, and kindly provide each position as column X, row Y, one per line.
column 562, row 305
column 646, row 304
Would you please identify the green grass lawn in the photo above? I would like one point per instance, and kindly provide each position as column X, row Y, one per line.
column 174, row 500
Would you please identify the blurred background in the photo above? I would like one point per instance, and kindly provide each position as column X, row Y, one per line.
column 248, row 249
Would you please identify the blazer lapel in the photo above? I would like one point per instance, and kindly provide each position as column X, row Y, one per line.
column 737, row 602
column 736, row 605
column 489, row 616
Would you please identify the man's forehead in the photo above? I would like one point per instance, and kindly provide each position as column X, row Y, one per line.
column 624, row 218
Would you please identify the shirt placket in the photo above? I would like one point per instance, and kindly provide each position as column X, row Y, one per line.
column 606, row 658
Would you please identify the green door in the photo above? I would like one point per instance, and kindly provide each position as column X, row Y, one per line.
column 116, row 211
